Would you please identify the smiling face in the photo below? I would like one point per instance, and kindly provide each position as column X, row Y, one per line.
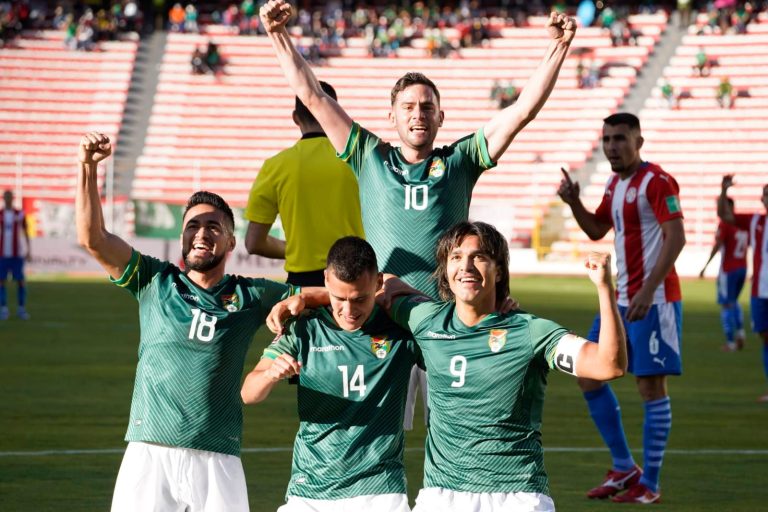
column 352, row 303
column 206, row 238
column 472, row 273
column 417, row 117
column 621, row 145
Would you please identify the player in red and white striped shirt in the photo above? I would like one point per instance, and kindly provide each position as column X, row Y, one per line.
column 757, row 225
column 14, row 249
column 642, row 206
column 732, row 244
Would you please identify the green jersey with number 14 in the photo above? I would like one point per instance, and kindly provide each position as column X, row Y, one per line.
column 351, row 400
column 406, row 207
column 486, row 393
column 191, row 354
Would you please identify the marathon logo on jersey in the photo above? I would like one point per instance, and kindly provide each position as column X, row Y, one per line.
column 497, row 339
column 380, row 346
column 673, row 204
column 437, row 168
column 231, row 302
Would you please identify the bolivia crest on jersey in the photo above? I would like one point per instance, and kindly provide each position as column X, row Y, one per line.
column 380, row 346
column 437, row 168
column 231, row 302
column 497, row 339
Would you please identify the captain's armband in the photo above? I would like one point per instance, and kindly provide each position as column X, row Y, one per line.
column 567, row 353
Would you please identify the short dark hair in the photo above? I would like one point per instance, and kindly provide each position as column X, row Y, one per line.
column 351, row 257
column 215, row 200
column 491, row 242
column 301, row 110
column 409, row 79
column 630, row 120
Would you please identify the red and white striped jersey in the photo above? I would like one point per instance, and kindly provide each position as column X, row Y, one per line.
column 756, row 225
column 733, row 249
column 636, row 208
column 13, row 224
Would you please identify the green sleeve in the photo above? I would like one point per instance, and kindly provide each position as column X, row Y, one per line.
column 475, row 148
column 269, row 293
column 410, row 311
column 545, row 335
column 288, row 343
column 139, row 272
column 360, row 142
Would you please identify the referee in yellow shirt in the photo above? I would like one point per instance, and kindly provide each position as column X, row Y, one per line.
column 314, row 192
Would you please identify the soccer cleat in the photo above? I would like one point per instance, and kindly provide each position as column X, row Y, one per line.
column 615, row 481
column 763, row 398
column 22, row 314
column 729, row 347
column 4, row 313
column 638, row 493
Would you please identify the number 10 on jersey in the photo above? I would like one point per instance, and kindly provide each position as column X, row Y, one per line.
column 416, row 197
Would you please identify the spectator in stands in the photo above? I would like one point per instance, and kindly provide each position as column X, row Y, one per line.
column 70, row 35
column 176, row 17
column 757, row 224
column 213, row 59
column 248, row 20
column 199, row 67
column 684, row 12
column 132, row 16
column 13, row 253
column 668, row 93
column 190, row 19
column 509, row 95
column 85, row 34
column 702, row 66
column 496, row 90
column 725, row 93
column 316, row 196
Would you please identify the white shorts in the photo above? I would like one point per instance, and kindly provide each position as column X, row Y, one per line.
column 156, row 477
column 368, row 503
column 436, row 499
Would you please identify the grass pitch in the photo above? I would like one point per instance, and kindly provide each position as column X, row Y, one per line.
column 66, row 379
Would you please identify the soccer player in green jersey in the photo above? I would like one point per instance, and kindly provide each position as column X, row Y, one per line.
column 353, row 365
column 487, row 375
column 412, row 193
column 196, row 325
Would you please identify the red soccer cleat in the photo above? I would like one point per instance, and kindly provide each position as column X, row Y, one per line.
column 615, row 481
column 638, row 493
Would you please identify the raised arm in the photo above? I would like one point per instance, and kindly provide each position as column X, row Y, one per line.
column 267, row 373
column 334, row 120
column 309, row 297
column 502, row 128
column 607, row 359
column 569, row 193
column 674, row 241
column 724, row 208
column 111, row 251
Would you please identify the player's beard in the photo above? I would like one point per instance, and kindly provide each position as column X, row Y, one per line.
column 201, row 265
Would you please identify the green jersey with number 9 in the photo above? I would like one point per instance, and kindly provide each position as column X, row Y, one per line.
column 406, row 207
column 486, row 393
column 191, row 354
column 351, row 401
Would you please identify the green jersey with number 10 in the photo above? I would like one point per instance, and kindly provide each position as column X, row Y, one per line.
column 351, row 400
column 486, row 393
column 191, row 354
column 406, row 207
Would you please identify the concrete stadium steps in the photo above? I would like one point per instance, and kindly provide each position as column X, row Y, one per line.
column 49, row 97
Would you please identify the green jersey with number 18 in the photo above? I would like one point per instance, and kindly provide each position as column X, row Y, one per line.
column 351, row 400
column 486, row 392
column 191, row 354
column 406, row 207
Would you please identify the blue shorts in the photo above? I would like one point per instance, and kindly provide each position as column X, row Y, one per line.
column 654, row 343
column 729, row 285
column 13, row 265
column 759, row 308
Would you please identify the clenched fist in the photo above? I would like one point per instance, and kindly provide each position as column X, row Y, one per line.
column 275, row 14
column 561, row 28
column 94, row 147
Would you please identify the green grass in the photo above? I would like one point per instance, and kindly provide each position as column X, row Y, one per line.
column 67, row 375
